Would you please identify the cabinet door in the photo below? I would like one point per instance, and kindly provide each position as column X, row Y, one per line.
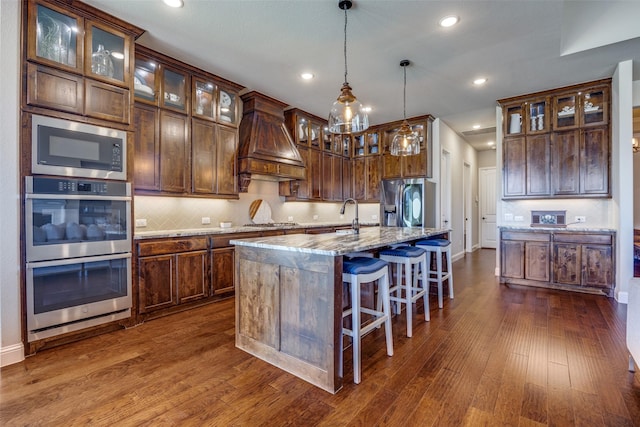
column 347, row 180
column 146, row 171
column 58, row 90
column 145, row 83
column 514, row 167
column 55, row 36
column 414, row 166
column 598, row 266
column 203, row 95
column 537, row 261
column 594, row 161
column 192, row 276
column 314, row 177
column 391, row 166
column 538, row 165
column 373, row 178
column 174, row 90
column 327, row 176
column 204, row 158
column 107, row 54
column 567, row 263
column 227, row 107
column 227, row 153
column 222, row 270
column 595, row 106
column 566, row 163
column 156, row 282
column 512, row 259
column 359, row 178
column 107, row 102
column 174, row 153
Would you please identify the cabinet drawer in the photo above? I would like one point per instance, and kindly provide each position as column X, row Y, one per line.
column 528, row 236
column 598, row 239
column 172, row 246
column 223, row 241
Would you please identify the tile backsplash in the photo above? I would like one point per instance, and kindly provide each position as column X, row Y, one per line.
column 177, row 213
column 598, row 212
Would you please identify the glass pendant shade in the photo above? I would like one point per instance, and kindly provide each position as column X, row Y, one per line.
column 347, row 114
column 405, row 142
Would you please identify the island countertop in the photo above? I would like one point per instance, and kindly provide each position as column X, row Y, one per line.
column 336, row 244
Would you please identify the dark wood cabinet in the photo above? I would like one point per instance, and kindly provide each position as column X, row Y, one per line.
column 78, row 60
column 223, row 270
column 146, row 170
column 332, row 190
column 226, row 167
column 567, row 155
column 418, row 165
column 156, row 283
column 192, row 281
column 174, row 152
column 572, row 260
column 366, row 179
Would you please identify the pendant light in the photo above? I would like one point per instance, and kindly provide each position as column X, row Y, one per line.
column 405, row 141
column 347, row 114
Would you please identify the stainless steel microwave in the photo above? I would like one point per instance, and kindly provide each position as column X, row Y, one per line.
column 67, row 148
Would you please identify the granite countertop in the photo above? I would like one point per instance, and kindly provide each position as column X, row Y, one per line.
column 187, row 232
column 569, row 227
column 339, row 244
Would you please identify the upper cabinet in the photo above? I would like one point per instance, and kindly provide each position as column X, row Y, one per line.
column 78, row 60
column 556, row 143
column 419, row 165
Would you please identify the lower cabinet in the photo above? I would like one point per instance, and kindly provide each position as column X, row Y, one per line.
column 558, row 259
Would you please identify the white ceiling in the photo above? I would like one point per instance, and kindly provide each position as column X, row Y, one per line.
column 521, row 46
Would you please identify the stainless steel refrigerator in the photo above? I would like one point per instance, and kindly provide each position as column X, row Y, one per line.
column 409, row 202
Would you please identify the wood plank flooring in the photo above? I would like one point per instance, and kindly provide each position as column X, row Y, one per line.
column 495, row 355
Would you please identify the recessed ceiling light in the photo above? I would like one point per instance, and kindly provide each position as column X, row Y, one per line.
column 480, row 81
column 449, row 21
column 174, row 3
column 476, row 126
column 307, row 76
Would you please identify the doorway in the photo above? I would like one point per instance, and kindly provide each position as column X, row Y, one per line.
column 488, row 230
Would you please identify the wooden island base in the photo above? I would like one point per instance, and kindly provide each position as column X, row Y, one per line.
column 289, row 297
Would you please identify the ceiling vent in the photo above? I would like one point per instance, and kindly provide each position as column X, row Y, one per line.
column 266, row 150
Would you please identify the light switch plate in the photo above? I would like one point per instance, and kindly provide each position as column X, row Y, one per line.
column 206, row 220
column 581, row 219
column 142, row 222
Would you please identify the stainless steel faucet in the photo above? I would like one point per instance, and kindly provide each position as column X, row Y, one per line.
column 355, row 225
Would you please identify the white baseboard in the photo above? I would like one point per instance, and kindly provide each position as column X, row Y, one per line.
column 11, row 354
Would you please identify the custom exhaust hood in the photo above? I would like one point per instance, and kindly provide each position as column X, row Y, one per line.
column 266, row 151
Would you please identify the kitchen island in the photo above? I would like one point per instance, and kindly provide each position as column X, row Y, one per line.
column 289, row 297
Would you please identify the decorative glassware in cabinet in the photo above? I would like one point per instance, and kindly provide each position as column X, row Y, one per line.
column 56, row 36
column 203, row 98
column 419, row 130
column 565, row 111
column 537, row 117
column 372, row 143
column 108, row 57
column 346, row 145
column 174, row 89
column 359, row 144
column 302, row 130
column 513, row 120
column 144, row 80
column 327, row 138
column 594, row 107
column 315, row 134
column 227, row 106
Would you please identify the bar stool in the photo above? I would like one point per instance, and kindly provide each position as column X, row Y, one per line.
column 439, row 247
column 356, row 271
column 408, row 256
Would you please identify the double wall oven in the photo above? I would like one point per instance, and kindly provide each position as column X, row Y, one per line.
column 78, row 232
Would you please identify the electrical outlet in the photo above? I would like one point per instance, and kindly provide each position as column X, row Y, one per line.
column 315, row 217
column 206, row 220
column 141, row 222
column 580, row 219
column 374, row 217
column 518, row 218
column 290, row 218
column 508, row 217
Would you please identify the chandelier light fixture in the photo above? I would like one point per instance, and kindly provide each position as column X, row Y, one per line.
column 405, row 141
column 347, row 113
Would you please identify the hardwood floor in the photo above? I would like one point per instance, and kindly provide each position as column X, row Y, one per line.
column 495, row 355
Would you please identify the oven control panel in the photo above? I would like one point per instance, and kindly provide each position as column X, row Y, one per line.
column 69, row 186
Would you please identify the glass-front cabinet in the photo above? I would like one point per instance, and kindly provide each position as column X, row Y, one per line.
column 530, row 117
column 589, row 107
column 55, row 36
column 106, row 54
column 174, row 89
column 145, row 83
column 203, row 94
column 227, row 106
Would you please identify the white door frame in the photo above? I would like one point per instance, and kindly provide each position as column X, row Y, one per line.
column 467, row 194
column 482, row 192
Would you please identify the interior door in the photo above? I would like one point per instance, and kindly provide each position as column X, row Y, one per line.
column 488, row 207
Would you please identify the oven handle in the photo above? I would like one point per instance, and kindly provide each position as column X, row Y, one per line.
column 76, row 197
column 67, row 261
